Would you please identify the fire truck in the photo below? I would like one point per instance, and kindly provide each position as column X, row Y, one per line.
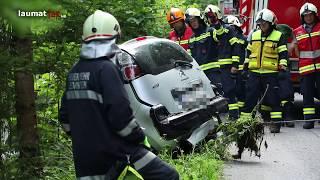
column 287, row 12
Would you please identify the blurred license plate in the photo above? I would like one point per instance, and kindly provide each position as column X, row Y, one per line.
column 191, row 97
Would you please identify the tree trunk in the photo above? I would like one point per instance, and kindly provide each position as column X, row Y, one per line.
column 26, row 112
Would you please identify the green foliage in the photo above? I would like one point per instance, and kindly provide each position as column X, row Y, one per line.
column 56, row 46
column 22, row 25
column 247, row 132
column 204, row 164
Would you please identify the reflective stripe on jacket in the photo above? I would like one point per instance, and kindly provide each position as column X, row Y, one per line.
column 266, row 53
column 203, row 46
column 228, row 46
column 309, row 48
column 96, row 108
column 182, row 40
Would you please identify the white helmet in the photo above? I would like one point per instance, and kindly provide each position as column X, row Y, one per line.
column 213, row 9
column 266, row 15
column 193, row 12
column 231, row 19
column 100, row 25
column 307, row 8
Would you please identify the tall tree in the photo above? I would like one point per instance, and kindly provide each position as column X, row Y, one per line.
column 25, row 107
column 21, row 57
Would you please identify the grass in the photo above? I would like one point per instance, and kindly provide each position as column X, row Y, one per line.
column 205, row 164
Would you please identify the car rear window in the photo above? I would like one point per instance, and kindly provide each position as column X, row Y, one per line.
column 157, row 57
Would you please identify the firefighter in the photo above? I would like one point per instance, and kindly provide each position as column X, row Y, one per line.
column 203, row 45
column 95, row 111
column 266, row 55
column 180, row 31
column 286, row 91
column 228, row 57
column 308, row 50
column 242, row 40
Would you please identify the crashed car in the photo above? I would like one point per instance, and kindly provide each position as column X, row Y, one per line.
column 172, row 99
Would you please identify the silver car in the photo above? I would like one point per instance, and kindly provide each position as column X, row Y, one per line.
column 170, row 95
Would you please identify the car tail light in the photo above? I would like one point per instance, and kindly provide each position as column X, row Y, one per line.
column 131, row 72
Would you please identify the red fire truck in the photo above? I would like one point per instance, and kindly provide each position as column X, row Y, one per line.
column 287, row 12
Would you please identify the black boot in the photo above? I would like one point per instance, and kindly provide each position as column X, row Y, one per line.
column 275, row 127
column 289, row 124
column 308, row 125
column 265, row 116
column 287, row 112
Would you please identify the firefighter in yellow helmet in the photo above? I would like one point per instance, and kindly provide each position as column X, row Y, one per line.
column 181, row 32
column 95, row 111
column 267, row 54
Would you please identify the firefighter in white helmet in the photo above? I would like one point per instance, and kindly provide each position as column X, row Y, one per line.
column 95, row 111
column 203, row 45
column 232, row 20
column 266, row 55
column 307, row 46
column 228, row 56
column 235, row 24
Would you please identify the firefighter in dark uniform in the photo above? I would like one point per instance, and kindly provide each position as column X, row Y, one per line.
column 242, row 41
column 95, row 111
column 267, row 54
column 286, row 91
column 228, row 57
column 308, row 50
column 203, row 45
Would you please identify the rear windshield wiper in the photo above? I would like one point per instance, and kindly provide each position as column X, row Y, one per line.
column 179, row 63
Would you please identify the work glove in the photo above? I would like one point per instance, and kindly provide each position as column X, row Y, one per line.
column 234, row 72
column 146, row 143
column 245, row 75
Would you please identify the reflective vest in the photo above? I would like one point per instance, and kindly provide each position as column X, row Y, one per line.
column 182, row 40
column 265, row 52
column 309, row 48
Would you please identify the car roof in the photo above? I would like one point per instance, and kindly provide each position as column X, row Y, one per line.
column 134, row 44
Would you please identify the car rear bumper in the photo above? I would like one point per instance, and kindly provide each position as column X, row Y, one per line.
column 171, row 126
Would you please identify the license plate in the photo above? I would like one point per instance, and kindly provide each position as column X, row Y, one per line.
column 191, row 97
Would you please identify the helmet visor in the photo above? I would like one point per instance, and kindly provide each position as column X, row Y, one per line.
column 260, row 21
column 211, row 14
column 307, row 12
